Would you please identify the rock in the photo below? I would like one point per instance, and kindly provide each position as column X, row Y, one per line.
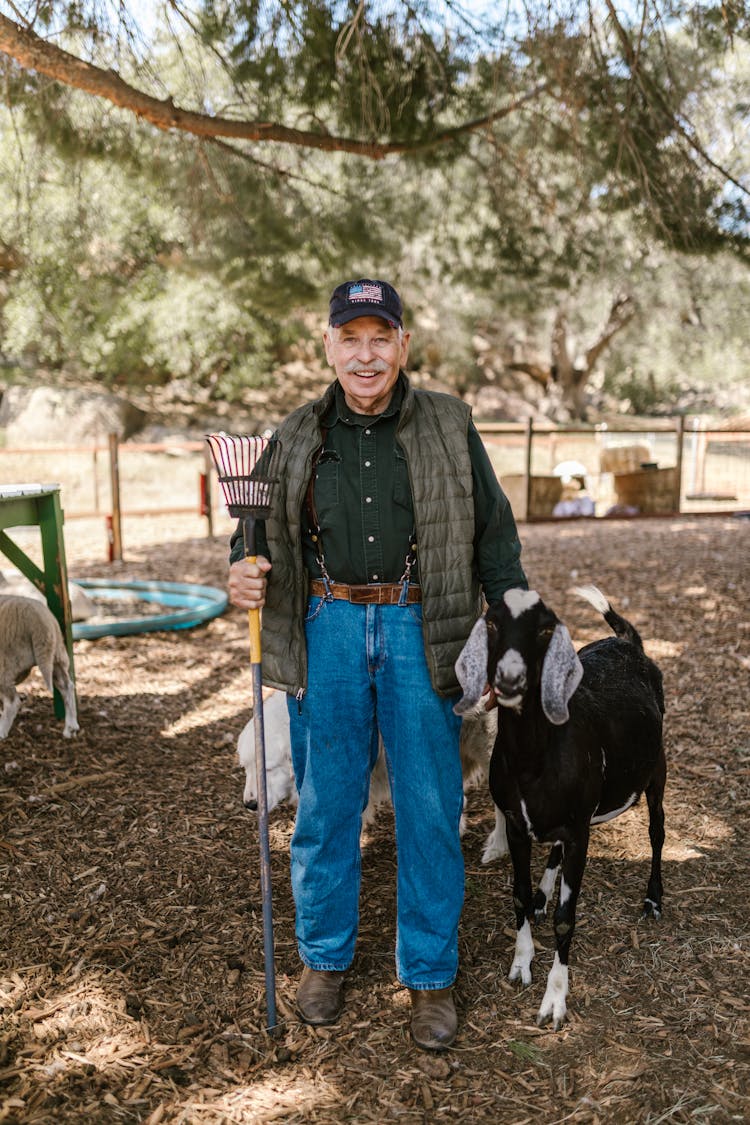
column 65, row 416
column 493, row 404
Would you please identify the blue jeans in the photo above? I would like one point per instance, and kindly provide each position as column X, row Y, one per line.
column 367, row 671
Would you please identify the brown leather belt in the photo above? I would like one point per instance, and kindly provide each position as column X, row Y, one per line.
column 384, row 593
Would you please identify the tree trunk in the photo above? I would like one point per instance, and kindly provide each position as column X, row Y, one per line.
column 573, row 377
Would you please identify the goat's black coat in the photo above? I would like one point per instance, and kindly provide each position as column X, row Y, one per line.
column 552, row 780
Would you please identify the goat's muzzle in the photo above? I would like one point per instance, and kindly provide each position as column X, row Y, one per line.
column 511, row 679
column 509, row 690
column 512, row 701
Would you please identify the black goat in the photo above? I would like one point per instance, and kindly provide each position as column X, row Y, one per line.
column 580, row 740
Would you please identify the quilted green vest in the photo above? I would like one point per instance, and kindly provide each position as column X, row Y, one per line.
column 432, row 431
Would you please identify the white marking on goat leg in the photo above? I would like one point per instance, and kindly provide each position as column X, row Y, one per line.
column 527, row 820
column 564, row 892
column 553, row 1004
column 496, row 844
column 547, row 884
column 523, row 956
column 518, row 601
column 615, row 812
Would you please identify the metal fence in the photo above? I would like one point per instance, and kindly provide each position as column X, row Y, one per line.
column 674, row 467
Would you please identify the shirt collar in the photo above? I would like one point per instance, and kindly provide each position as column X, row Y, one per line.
column 338, row 411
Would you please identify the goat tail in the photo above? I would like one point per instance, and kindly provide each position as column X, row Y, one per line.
column 619, row 626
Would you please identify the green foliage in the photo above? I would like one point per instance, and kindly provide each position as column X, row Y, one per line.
column 376, row 69
column 149, row 255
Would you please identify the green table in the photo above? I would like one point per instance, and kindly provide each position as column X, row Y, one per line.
column 38, row 505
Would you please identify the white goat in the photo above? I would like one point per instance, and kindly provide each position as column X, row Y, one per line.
column 29, row 635
column 478, row 734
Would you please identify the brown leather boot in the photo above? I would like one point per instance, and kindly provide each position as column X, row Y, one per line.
column 320, row 996
column 433, row 1018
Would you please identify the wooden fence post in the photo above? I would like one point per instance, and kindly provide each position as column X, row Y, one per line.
column 95, row 474
column 677, row 501
column 529, row 434
column 114, row 478
column 207, row 503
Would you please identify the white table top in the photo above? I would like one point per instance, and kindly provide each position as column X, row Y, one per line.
column 16, row 491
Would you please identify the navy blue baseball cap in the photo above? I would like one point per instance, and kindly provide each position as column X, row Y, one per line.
column 365, row 298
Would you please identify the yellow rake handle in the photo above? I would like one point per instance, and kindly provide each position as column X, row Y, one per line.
column 253, row 622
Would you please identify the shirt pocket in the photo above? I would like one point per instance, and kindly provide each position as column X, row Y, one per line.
column 401, row 486
column 327, row 486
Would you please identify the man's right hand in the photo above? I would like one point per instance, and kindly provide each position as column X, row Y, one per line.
column 248, row 582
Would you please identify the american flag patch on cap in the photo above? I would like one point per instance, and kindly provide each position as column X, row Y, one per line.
column 365, row 291
column 365, row 297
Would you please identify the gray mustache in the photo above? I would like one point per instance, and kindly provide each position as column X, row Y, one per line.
column 373, row 365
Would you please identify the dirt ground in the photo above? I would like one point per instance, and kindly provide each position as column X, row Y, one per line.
column 131, row 967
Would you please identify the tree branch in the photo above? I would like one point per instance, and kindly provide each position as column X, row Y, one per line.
column 651, row 90
column 34, row 53
column 622, row 312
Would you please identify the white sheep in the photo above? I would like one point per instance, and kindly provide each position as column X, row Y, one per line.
column 478, row 734
column 82, row 607
column 29, row 635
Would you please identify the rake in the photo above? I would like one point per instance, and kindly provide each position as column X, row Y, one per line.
column 248, row 471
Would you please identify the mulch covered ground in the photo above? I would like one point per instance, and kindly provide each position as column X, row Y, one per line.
column 131, row 967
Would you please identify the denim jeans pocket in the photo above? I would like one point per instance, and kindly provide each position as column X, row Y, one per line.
column 314, row 607
column 416, row 612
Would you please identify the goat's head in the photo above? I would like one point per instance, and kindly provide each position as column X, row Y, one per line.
column 518, row 646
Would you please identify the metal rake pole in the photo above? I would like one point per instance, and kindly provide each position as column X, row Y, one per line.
column 247, row 469
column 253, row 615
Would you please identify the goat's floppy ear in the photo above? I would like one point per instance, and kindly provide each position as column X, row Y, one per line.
column 471, row 668
column 562, row 672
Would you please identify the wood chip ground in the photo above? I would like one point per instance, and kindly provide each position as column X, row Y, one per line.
column 131, row 965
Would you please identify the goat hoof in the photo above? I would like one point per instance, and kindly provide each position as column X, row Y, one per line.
column 551, row 1016
column 651, row 909
column 520, row 972
column 493, row 851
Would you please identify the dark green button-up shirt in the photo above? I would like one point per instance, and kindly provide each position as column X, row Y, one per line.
column 364, row 506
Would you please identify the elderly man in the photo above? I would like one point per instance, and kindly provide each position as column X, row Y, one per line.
column 387, row 525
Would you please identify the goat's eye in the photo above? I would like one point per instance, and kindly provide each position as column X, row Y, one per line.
column 491, row 627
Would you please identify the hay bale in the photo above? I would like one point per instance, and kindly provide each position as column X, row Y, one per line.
column 652, row 491
column 544, row 493
column 624, row 458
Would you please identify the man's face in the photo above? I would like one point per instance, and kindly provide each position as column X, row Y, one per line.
column 366, row 354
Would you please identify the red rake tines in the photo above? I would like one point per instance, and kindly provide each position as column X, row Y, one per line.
column 248, row 469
